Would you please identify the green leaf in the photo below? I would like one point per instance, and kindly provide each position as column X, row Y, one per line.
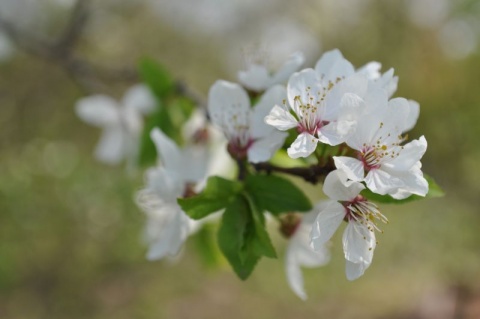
column 262, row 244
column 206, row 246
column 234, row 238
column 156, row 77
column 433, row 191
column 276, row 194
column 218, row 194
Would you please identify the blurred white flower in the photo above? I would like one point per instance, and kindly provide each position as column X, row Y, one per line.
column 300, row 253
column 247, row 134
column 122, row 123
column 457, row 39
column 258, row 78
column 167, row 225
column 428, row 13
column 6, row 47
column 361, row 215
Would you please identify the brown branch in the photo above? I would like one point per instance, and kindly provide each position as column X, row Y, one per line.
column 312, row 174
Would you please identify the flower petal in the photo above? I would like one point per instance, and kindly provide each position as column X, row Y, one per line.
column 139, row 98
column 413, row 183
column 255, row 78
column 371, row 70
column 382, row 182
column 168, row 152
column 229, row 107
column 264, row 148
column 412, row 115
column 351, row 166
column 326, row 224
column 358, row 243
column 293, row 63
column 99, row 110
column 276, row 95
column 355, row 270
column 112, row 146
column 410, row 154
column 303, row 146
column 281, row 119
column 336, row 186
column 301, row 84
column 333, row 65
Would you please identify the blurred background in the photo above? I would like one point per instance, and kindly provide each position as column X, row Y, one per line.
column 70, row 232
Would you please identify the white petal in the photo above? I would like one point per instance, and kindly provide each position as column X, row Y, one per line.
column 168, row 152
column 139, row 98
column 281, row 119
column 411, row 153
column 195, row 162
column 98, row 110
column 334, row 133
column 263, row 149
column 355, row 270
column 370, row 70
column 326, row 224
column 382, row 182
column 111, row 148
column 255, row 78
column 336, row 186
column 333, row 65
column 294, row 273
column 293, row 63
column 303, row 146
column 413, row 183
column 352, row 167
column 388, row 82
column 274, row 96
column 228, row 106
column 397, row 115
column 358, row 243
column 298, row 85
column 412, row 115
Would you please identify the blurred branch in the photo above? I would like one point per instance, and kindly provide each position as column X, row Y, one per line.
column 89, row 77
column 312, row 174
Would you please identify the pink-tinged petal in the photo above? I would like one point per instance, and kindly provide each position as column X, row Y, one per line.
column 333, row 65
column 139, row 98
column 228, row 106
column 412, row 115
column 302, row 84
column 255, row 78
column 276, row 95
column 409, row 156
column 337, row 187
column 293, row 63
column 355, row 270
column 264, row 148
column 112, row 146
column 303, row 146
column 98, row 110
column 168, row 152
column 326, row 224
column 382, row 182
column 358, row 243
column 352, row 167
column 281, row 119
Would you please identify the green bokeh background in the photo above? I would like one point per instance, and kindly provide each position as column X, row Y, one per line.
column 70, row 232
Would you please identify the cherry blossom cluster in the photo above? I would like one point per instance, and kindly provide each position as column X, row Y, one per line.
column 338, row 119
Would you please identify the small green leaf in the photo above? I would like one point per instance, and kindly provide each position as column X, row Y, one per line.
column 156, row 77
column 276, row 194
column 217, row 195
column 433, row 191
column 234, row 238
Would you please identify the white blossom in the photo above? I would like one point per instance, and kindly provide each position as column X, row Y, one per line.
column 258, row 77
column 384, row 162
column 361, row 215
column 248, row 136
column 122, row 123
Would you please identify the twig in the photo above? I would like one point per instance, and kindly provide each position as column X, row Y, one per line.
column 312, row 174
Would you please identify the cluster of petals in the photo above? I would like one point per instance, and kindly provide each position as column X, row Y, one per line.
column 347, row 204
column 180, row 172
column 122, row 122
column 248, row 136
column 326, row 101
